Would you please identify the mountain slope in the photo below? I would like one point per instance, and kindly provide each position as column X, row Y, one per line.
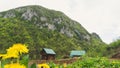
column 39, row 27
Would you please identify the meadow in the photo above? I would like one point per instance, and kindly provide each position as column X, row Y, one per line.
column 17, row 56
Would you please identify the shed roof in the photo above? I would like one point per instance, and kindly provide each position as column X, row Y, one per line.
column 49, row 51
column 77, row 53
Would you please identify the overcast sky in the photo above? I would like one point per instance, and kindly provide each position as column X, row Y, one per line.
column 100, row 16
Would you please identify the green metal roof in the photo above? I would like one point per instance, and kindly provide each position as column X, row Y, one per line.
column 49, row 51
column 76, row 53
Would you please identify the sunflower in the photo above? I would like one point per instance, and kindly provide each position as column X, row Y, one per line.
column 1, row 55
column 6, row 56
column 15, row 51
column 43, row 65
column 18, row 48
column 65, row 65
column 14, row 65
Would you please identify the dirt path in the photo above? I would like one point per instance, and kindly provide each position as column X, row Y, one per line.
column 60, row 61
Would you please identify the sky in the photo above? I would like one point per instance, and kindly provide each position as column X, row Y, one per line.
column 99, row 16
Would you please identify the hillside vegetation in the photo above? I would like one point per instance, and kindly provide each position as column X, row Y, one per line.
column 113, row 48
column 39, row 27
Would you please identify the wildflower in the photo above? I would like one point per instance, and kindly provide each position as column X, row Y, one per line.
column 65, row 65
column 14, row 65
column 43, row 66
column 6, row 56
column 15, row 51
column 12, row 50
column 1, row 55
column 18, row 48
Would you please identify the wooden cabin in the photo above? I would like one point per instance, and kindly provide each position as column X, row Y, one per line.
column 47, row 54
column 116, row 56
column 77, row 53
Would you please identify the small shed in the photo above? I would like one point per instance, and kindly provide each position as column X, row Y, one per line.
column 77, row 53
column 47, row 54
column 116, row 56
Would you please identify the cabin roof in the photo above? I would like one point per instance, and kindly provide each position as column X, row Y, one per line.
column 77, row 53
column 49, row 51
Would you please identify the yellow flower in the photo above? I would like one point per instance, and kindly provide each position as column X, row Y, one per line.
column 15, row 51
column 19, row 48
column 15, row 65
column 1, row 55
column 65, row 65
column 12, row 50
column 10, row 56
column 43, row 66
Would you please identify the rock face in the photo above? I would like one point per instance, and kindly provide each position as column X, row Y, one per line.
column 50, row 28
column 9, row 15
column 51, row 19
column 28, row 15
